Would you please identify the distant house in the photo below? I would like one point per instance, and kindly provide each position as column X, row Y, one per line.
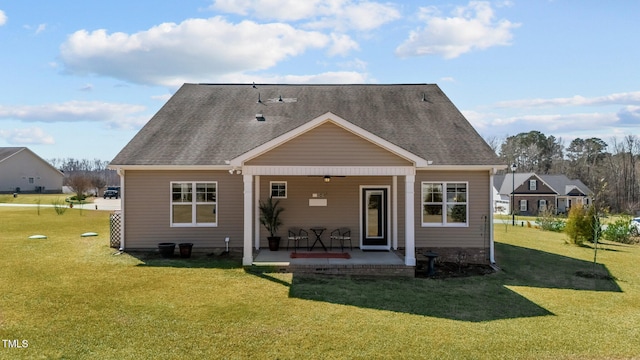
column 21, row 170
column 501, row 203
column 399, row 165
column 534, row 193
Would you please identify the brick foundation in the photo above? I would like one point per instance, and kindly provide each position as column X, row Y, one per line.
column 454, row 254
column 352, row 270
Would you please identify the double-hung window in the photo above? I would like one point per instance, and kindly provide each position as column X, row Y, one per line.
column 523, row 205
column 444, row 204
column 194, row 203
column 542, row 205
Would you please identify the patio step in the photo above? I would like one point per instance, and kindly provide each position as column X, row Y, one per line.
column 348, row 270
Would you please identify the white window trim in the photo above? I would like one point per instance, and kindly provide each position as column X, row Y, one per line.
column 194, row 205
column 523, row 205
column 286, row 189
column 444, row 222
column 542, row 204
column 533, row 185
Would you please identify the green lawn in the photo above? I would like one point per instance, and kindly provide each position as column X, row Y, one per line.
column 71, row 297
column 44, row 199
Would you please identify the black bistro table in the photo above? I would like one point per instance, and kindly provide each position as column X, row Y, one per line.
column 318, row 230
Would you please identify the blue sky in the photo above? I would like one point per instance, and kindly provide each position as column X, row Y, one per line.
column 79, row 78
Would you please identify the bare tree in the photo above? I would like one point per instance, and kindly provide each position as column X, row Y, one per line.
column 494, row 143
column 96, row 170
column 79, row 183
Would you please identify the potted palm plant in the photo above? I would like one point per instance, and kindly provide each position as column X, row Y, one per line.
column 270, row 218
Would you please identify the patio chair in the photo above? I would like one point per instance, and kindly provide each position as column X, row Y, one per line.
column 341, row 235
column 297, row 235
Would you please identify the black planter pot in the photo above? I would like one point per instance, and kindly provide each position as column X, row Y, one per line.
column 185, row 250
column 274, row 243
column 166, row 249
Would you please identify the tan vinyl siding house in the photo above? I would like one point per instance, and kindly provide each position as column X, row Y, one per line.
column 327, row 145
column 21, row 170
column 356, row 156
column 152, row 223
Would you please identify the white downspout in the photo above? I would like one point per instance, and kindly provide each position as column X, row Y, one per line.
column 120, row 173
column 490, row 225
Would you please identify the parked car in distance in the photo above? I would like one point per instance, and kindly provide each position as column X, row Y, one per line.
column 635, row 226
column 112, row 192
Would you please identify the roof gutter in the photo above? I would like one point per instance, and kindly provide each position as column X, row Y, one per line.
column 492, row 168
column 169, row 167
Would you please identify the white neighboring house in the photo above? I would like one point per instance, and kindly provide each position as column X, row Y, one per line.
column 21, row 170
column 500, row 203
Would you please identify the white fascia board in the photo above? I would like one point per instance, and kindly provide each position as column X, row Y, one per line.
column 170, row 167
column 322, row 119
column 329, row 170
column 432, row 167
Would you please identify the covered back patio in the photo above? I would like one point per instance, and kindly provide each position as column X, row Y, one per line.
column 360, row 262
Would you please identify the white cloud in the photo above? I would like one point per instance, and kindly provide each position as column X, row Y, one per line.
column 629, row 115
column 281, row 10
column 3, row 18
column 163, row 98
column 319, row 14
column 559, row 122
column 196, row 50
column 41, row 28
column 571, row 125
column 111, row 114
column 357, row 64
column 363, row 16
column 628, row 98
column 26, row 136
column 471, row 27
column 331, row 77
column 341, row 44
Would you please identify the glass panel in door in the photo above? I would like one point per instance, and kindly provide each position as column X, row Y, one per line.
column 374, row 222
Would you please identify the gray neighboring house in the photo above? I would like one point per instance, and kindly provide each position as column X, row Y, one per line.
column 21, row 170
column 534, row 193
column 397, row 164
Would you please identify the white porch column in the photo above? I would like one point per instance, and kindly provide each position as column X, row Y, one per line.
column 410, row 231
column 247, row 258
column 394, row 209
column 256, row 215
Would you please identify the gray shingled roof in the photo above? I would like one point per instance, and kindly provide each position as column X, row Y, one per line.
column 559, row 183
column 5, row 152
column 206, row 124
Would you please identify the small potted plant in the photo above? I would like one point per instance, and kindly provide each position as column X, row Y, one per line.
column 270, row 219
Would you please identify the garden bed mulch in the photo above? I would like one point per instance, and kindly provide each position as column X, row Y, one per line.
column 446, row 270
